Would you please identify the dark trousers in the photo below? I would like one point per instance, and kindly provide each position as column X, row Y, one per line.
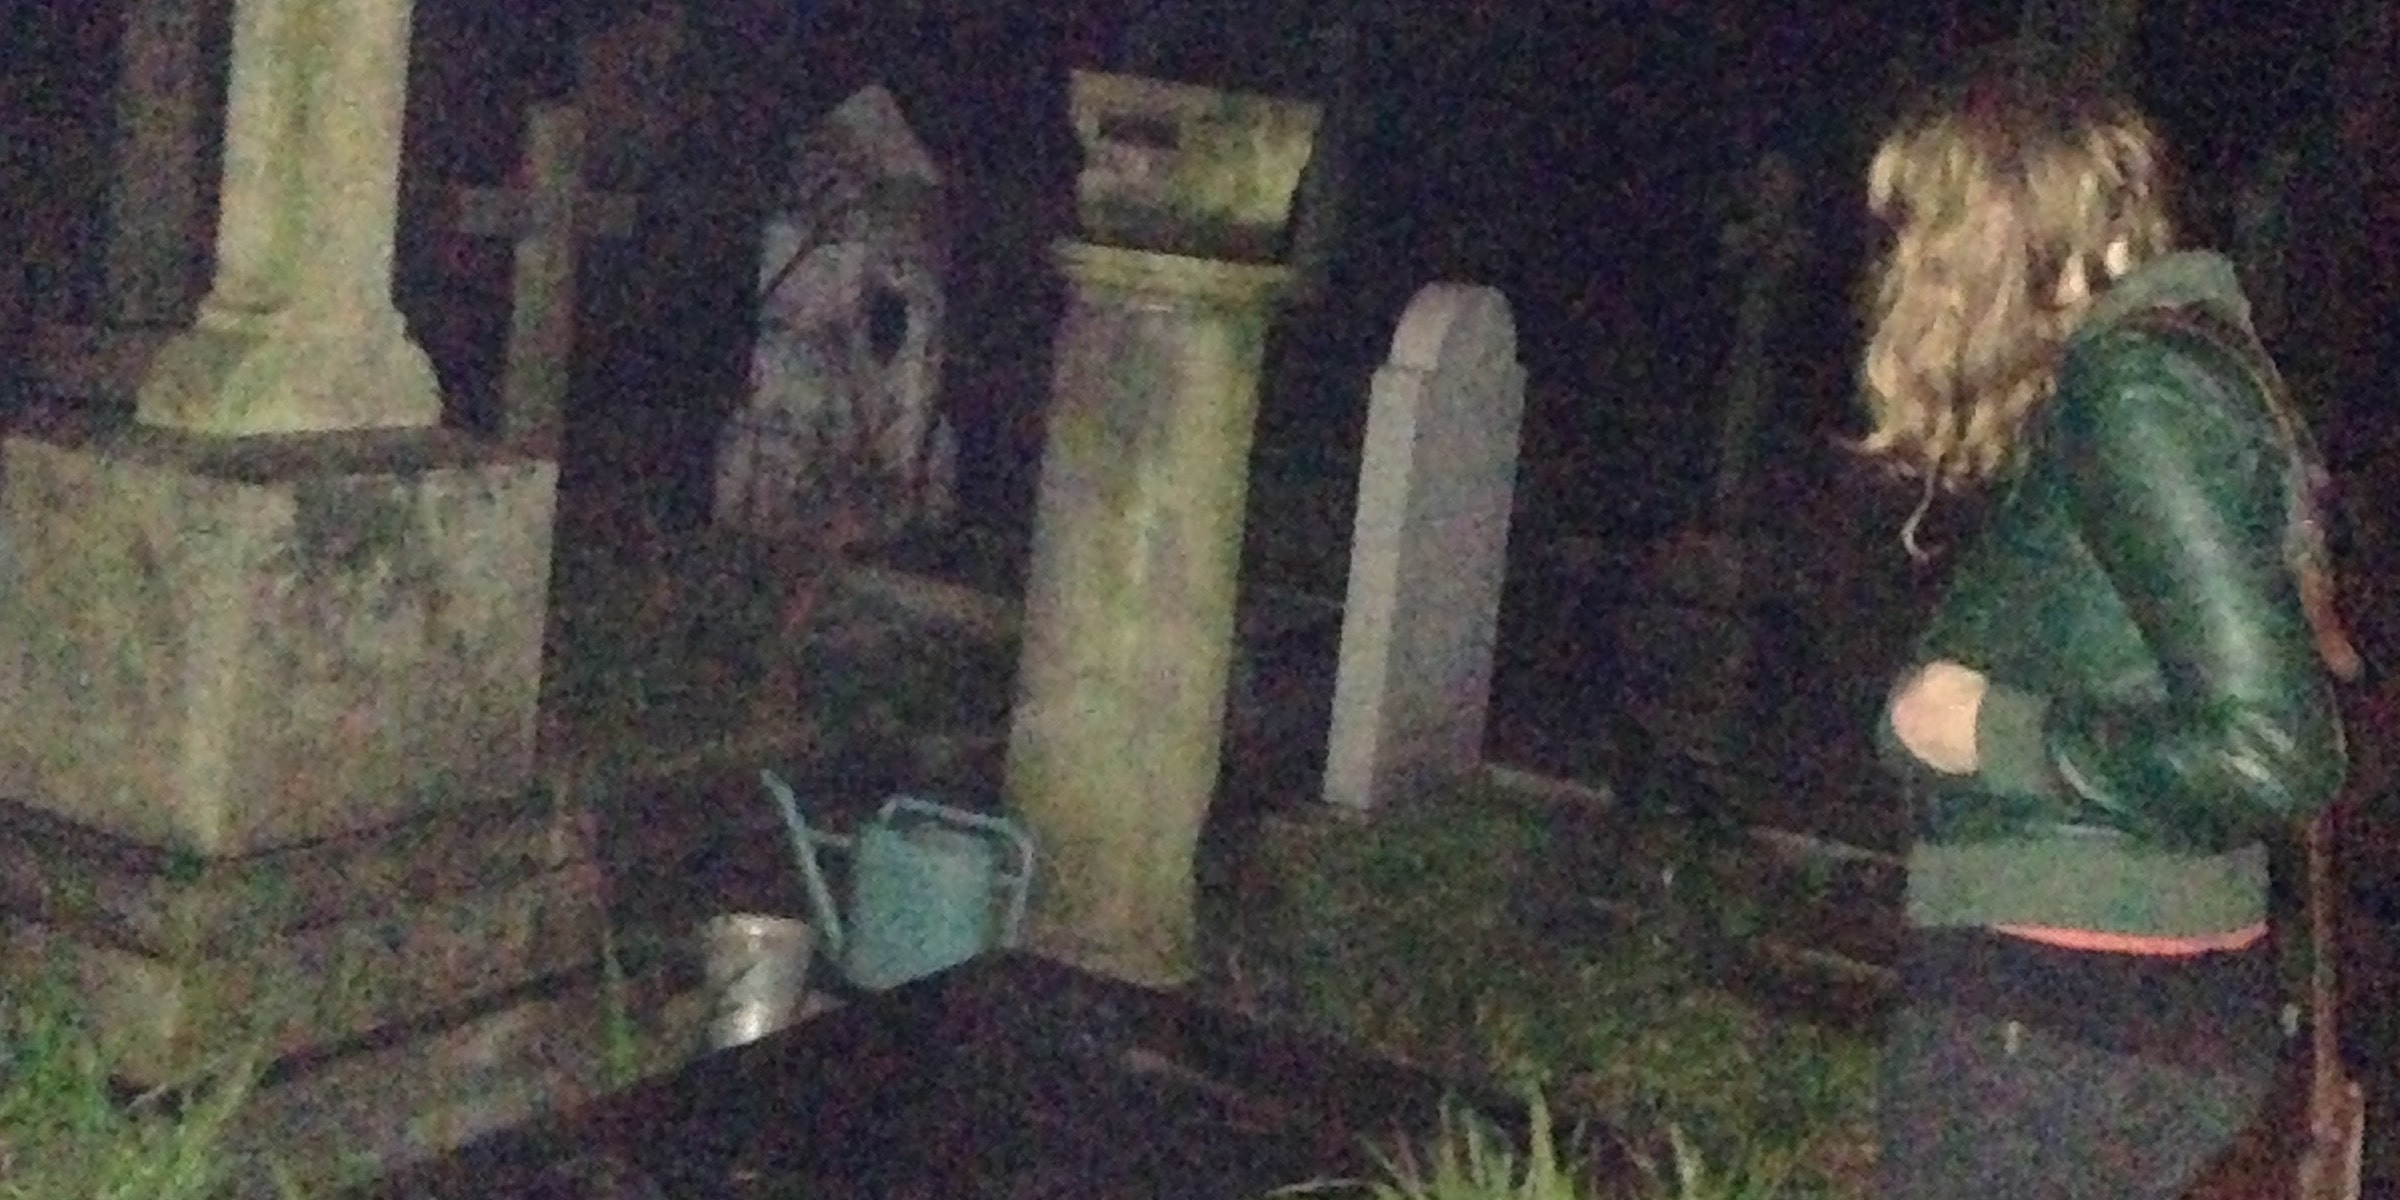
column 2017, row 1071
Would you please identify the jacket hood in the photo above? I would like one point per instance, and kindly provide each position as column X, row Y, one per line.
column 2185, row 277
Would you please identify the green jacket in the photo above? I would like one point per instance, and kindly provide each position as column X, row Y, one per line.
column 2157, row 705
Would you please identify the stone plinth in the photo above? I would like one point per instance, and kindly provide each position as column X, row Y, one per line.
column 226, row 646
column 1129, row 611
column 239, row 374
column 538, row 1052
column 182, row 958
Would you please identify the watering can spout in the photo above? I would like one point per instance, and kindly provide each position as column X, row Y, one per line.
column 804, row 848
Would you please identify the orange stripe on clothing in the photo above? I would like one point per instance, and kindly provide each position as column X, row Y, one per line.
column 2133, row 943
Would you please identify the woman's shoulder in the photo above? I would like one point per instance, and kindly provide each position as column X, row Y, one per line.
column 2179, row 364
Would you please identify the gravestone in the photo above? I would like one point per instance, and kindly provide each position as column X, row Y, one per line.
column 844, row 410
column 273, row 655
column 1428, row 552
column 547, row 214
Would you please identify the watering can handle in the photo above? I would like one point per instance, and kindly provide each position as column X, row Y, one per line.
column 1005, row 829
column 804, row 848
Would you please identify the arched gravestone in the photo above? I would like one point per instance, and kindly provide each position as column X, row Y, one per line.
column 1429, row 550
column 843, row 419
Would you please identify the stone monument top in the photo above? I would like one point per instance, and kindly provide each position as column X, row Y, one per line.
column 871, row 132
column 1181, row 169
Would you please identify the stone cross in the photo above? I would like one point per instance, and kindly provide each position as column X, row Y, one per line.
column 629, row 84
column 546, row 217
column 298, row 332
column 1428, row 552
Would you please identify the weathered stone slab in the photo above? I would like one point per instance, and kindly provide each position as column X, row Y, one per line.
column 225, row 646
column 385, row 1107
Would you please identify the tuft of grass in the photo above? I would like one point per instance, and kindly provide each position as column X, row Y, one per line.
column 1470, row 1158
column 65, row 1133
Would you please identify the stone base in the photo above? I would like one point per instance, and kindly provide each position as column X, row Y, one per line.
column 237, row 373
column 378, row 1109
column 230, row 645
column 178, row 959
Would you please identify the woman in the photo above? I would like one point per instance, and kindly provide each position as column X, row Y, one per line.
column 2122, row 694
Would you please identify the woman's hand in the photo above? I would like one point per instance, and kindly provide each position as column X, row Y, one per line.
column 1934, row 716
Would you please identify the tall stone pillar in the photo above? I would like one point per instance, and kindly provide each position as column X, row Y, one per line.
column 299, row 333
column 1129, row 618
column 269, row 661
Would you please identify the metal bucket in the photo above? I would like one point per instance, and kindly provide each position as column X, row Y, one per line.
column 757, row 970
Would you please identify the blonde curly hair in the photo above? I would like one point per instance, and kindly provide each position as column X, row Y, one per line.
column 2009, row 200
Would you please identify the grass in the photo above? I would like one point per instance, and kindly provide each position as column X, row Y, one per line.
column 65, row 1133
column 1471, row 1159
column 1406, row 936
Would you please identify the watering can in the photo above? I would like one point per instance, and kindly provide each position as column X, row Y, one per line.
column 930, row 887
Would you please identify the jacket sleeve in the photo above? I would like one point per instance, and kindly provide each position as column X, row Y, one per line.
column 2176, row 485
